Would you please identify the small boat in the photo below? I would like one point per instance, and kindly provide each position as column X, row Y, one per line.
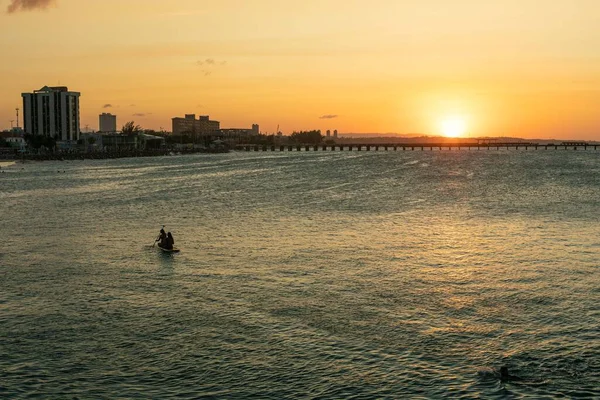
column 173, row 250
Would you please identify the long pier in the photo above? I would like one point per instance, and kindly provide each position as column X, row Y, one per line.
column 417, row 146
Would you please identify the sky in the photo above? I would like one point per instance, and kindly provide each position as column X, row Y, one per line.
column 521, row 68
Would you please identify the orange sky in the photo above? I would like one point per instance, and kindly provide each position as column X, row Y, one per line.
column 526, row 68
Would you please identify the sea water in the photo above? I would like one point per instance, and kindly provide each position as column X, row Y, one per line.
column 407, row 274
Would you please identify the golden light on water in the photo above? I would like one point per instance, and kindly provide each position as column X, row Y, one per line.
column 453, row 127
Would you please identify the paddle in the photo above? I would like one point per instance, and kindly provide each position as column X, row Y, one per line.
column 158, row 238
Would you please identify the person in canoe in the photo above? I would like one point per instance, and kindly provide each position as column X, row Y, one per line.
column 169, row 242
column 162, row 238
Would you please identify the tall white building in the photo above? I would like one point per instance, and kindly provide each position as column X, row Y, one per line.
column 52, row 111
column 108, row 122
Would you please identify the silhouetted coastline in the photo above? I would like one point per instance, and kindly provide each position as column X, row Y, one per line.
column 64, row 156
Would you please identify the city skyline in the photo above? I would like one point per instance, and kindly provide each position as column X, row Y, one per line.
column 510, row 69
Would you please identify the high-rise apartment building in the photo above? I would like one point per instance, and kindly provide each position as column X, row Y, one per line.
column 52, row 111
column 107, row 123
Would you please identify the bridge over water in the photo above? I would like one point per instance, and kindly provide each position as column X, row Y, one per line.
column 419, row 146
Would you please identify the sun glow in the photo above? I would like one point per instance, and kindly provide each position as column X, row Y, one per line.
column 453, row 127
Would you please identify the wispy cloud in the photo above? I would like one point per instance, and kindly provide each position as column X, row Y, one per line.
column 141, row 115
column 28, row 5
column 210, row 61
column 328, row 116
column 209, row 65
column 107, row 106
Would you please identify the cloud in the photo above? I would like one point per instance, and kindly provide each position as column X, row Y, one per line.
column 209, row 65
column 328, row 116
column 107, row 106
column 141, row 115
column 211, row 62
column 28, row 5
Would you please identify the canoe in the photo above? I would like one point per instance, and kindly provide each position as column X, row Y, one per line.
column 173, row 250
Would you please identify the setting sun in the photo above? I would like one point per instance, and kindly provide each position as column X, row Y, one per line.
column 453, row 127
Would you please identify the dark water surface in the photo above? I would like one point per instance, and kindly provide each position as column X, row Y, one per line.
column 303, row 275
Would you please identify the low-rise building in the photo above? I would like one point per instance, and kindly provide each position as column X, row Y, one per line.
column 116, row 142
column 233, row 134
column 14, row 140
column 190, row 125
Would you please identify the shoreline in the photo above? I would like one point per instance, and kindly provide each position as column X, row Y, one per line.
column 105, row 156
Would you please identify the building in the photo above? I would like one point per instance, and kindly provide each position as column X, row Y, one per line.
column 192, row 126
column 52, row 111
column 237, row 132
column 335, row 134
column 328, row 133
column 14, row 138
column 107, row 123
column 118, row 142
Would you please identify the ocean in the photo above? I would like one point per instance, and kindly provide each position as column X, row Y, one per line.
column 330, row 275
